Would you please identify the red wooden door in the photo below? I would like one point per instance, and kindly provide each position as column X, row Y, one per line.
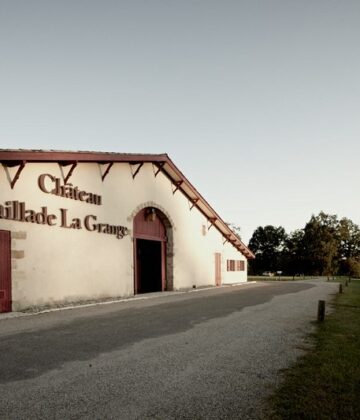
column 147, row 225
column 217, row 269
column 5, row 271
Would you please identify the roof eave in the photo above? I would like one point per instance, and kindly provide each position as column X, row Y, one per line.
column 11, row 157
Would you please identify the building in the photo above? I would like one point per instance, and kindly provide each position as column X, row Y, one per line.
column 76, row 226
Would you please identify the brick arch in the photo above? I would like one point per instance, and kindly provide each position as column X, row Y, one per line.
column 161, row 229
column 156, row 206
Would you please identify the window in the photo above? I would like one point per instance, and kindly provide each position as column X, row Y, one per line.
column 235, row 265
column 230, row 265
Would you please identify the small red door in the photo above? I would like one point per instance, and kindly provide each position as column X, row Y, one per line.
column 5, row 271
column 217, row 269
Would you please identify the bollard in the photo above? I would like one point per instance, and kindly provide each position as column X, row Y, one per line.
column 321, row 310
column 349, row 279
column 346, row 283
column 340, row 288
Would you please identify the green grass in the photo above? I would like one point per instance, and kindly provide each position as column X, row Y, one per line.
column 325, row 383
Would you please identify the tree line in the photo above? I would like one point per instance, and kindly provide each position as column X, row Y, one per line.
column 325, row 246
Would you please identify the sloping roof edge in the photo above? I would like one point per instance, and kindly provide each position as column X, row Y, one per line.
column 163, row 163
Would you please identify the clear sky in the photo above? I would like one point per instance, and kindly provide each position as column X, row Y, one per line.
column 257, row 102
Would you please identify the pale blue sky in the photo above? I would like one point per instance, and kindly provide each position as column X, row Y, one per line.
column 257, row 102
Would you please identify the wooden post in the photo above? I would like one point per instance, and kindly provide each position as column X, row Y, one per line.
column 321, row 310
column 340, row 288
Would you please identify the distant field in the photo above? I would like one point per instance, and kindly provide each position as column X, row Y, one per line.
column 280, row 278
column 291, row 278
column 325, row 383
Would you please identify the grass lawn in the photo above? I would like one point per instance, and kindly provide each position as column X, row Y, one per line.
column 325, row 383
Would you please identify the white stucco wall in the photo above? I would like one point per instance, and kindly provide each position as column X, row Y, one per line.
column 52, row 264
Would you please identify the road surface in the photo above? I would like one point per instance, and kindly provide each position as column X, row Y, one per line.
column 211, row 354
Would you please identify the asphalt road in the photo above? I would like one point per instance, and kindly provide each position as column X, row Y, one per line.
column 213, row 354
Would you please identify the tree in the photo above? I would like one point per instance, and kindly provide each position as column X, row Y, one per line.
column 321, row 245
column 326, row 246
column 349, row 248
column 350, row 267
column 349, row 238
column 293, row 254
column 267, row 243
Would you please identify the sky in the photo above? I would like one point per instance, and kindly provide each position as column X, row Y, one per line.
column 257, row 102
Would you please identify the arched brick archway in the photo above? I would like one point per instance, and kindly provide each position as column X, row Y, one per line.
column 152, row 251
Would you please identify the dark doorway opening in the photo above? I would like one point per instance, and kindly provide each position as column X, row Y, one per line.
column 149, row 266
column 153, row 251
column 5, row 271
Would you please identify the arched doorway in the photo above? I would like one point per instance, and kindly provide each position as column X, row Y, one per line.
column 151, row 227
